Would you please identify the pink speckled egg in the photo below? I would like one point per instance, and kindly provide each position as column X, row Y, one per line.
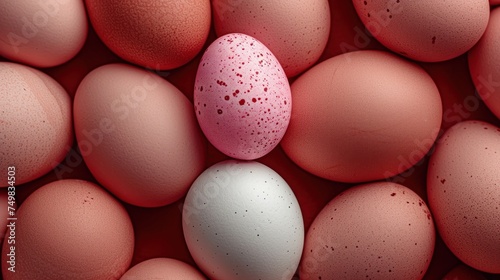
column 427, row 30
column 374, row 231
column 35, row 122
column 484, row 64
column 162, row 269
column 242, row 97
column 296, row 31
column 463, row 186
column 69, row 229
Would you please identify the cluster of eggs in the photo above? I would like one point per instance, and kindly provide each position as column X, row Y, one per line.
column 263, row 81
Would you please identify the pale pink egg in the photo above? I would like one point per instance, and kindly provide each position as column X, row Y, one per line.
column 69, row 229
column 35, row 122
column 374, row 231
column 463, row 186
column 42, row 33
column 484, row 64
column 427, row 30
column 242, row 97
column 162, row 269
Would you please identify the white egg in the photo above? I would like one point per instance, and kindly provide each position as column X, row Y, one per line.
column 241, row 220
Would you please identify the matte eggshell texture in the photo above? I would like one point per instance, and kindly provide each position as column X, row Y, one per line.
column 35, row 122
column 241, row 220
column 463, row 272
column 463, row 186
column 426, row 30
column 242, row 97
column 71, row 229
column 362, row 116
column 138, row 135
column 374, row 231
column 296, row 31
column 162, row 269
column 42, row 33
column 160, row 35
column 484, row 64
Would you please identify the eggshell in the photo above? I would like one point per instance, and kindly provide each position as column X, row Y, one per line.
column 463, row 186
column 138, row 135
column 295, row 31
column 427, row 31
column 462, row 272
column 484, row 64
column 42, row 33
column 162, row 269
column 70, row 229
column 362, row 116
column 160, row 35
column 242, row 97
column 494, row 2
column 35, row 122
column 241, row 220
column 375, row 231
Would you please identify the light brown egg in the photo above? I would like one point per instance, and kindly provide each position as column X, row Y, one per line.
column 160, row 35
column 162, row 269
column 138, row 135
column 463, row 186
column 425, row 30
column 296, row 31
column 362, row 116
column 69, row 229
column 373, row 231
column 35, row 122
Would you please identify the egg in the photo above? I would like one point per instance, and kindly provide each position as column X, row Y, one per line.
column 463, row 272
column 162, row 269
column 42, row 33
column 295, row 31
column 379, row 230
column 4, row 213
column 242, row 97
column 138, row 135
column 494, row 2
column 241, row 220
column 362, row 116
column 36, row 128
column 429, row 31
column 69, row 229
column 463, row 186
column 484, row 61
column 160, row 35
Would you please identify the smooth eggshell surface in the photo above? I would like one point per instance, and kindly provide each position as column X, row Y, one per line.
column 374, row 231
column 160, row 35
column 242, row 97
column 362, row 116
column 138, row 135
column 463, row 186
column 241, row 220
column 42, row 33
column 70, row 229
column 484, row 64
column 295, row 31
column 428, row 30
column 162, row 269
column 35, row 122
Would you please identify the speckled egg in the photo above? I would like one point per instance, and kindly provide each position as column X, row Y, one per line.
column 35, row 122
column 373, row 231
column 463, row 186
column 162, row 269
column 296, row 31
column 242, row 97
column 69, row 229
column 241, row 220
column 428, row 30
column 484, row 64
